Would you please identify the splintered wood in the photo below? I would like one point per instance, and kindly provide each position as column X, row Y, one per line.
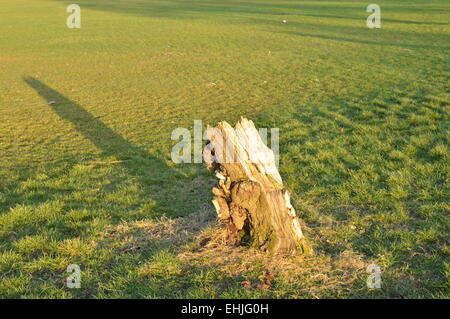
column 250, row 197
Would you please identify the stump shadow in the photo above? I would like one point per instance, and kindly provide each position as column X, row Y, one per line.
column 175, row 192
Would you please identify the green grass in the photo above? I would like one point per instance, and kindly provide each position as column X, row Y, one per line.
column 363, row 118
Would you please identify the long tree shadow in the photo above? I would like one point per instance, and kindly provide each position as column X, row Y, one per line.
column 189, row 9
column 180, row 10
column 362, row 41
column 176, row 193
column 343, row 17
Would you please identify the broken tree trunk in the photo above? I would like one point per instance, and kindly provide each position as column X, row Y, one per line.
column 250, row 196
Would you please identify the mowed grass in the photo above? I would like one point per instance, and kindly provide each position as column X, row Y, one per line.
column 363, row 119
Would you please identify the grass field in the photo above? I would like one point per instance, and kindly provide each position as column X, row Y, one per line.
column 363, row 119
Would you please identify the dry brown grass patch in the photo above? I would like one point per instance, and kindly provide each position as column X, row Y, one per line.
column 198, row 243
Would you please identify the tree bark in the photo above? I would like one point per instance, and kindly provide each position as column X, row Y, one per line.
column 250, row 197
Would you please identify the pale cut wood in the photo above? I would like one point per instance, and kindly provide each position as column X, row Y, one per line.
column 250, row 196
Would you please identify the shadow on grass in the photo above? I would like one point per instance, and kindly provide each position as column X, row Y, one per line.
column 156, row 8
column 360, row 34
column 362, row 19
column 174, row 191
column 247, row 11
column 362, row 41
column 188, row 9
column 91, row 127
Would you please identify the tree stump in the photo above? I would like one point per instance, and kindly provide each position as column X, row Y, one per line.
column 250, row 197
